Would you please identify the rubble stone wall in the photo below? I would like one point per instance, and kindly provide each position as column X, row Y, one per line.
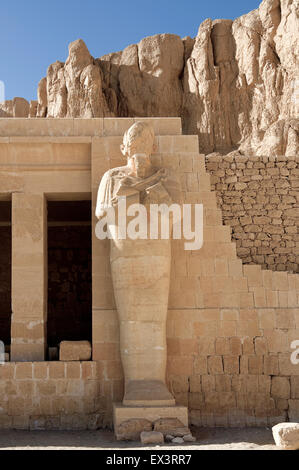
column 259, row 199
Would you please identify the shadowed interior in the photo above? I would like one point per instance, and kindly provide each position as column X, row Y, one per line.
column 69, row 271
column 5, row 271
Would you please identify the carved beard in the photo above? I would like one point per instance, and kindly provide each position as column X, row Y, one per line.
column 141, row 172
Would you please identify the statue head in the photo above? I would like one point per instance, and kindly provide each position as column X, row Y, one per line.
column 139, row 139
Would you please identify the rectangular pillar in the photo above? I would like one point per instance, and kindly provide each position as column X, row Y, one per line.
column 105, row 329
column 29, row 277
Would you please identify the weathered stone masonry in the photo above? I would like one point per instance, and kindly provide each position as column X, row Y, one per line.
column 259, row 199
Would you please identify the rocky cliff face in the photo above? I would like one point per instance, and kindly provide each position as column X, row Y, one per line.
column 234, row 84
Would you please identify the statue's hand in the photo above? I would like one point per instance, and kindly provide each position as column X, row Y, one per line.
column 163, row 172
column 126, row 181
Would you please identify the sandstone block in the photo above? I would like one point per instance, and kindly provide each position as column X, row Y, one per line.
column 286, row 435
column 215, row 365
column 75, row 351
column 166, row 424
column 40, row 370
column 151, row 437
column 24, row 370
column 280, row 387
column 7, row 371
column 171, row 426
column 56, row 370
column 178, row 440
column 152, row 414
column 132, row 429
column 231, row 365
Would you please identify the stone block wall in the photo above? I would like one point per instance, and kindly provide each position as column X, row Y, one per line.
column 52, row 395
column 232, row 366
column 259, row 199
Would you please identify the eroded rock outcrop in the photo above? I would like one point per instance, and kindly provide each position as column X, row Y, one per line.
column 234, row 84
column 74, row 89
column 6, row 109
column 18, row 107
column 144, row 79
column 42, row 98
column 239, row 82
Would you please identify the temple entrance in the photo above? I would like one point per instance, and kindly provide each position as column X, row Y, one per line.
column 69, row 272
column 5, row 273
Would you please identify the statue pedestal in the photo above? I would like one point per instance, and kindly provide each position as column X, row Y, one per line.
column 122, row 413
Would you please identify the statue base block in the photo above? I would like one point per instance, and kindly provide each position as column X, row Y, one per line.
column 145, row 393
column 122, row 413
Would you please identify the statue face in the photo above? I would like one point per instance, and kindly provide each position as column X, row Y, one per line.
column 141, row 164
column 139, row 139
column 138, row 147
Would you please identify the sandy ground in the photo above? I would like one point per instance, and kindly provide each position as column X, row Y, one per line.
column 207, row 439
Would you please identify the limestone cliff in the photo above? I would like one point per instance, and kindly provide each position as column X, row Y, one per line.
column 234, row 84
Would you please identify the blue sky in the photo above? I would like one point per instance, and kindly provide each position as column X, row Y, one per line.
column 36, row 33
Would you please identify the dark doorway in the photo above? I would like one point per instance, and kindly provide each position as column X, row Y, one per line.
column 5, row 272
column 69, row 272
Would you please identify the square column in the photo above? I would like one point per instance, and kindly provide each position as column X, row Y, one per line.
column 29, row 277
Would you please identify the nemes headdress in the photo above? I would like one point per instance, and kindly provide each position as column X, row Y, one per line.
column 142, row 131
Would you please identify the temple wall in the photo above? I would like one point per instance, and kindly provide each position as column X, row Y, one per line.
column 230, row 326
column 52, row 395
column 232, row 367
